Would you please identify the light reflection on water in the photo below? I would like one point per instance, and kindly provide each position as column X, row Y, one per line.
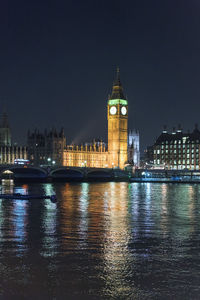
column 102, row 240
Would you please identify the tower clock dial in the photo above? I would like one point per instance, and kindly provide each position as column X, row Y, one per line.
column 113, row 110
column 123, row 110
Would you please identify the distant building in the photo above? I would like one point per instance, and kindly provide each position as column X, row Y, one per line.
column 134, row 148
column 9, row 152
column 177, row 150
column 5, row 132
column 46, row 148
column 148, row 158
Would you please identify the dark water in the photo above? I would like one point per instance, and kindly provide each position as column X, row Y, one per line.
column 102, row 241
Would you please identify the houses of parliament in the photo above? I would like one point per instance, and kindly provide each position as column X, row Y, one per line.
column 49, row 147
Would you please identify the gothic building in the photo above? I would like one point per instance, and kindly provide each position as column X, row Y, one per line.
column 9, row 153
column 46, row 148
column 116, row 154
column 50, row 148
column 134, row 148
column 5, row 132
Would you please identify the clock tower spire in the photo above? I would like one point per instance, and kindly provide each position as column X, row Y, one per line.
column 117, row 114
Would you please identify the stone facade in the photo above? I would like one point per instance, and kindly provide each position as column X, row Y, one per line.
column 46, row 148
column 96, row 155
column 5, row 131
column 89, row 155
column 134, row 148
column 8, row 154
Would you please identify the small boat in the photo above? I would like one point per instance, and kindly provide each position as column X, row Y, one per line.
column 18, row 196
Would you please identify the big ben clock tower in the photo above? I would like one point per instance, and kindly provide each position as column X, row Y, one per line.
column 117, row 112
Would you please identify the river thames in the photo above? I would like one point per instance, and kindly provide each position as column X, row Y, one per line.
column 101, row 241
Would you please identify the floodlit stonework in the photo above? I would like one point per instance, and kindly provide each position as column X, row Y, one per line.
column 96, row 155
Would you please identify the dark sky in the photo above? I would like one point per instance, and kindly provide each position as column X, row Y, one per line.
column 58, row 62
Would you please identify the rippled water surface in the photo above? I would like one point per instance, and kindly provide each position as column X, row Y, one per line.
column 102, row 241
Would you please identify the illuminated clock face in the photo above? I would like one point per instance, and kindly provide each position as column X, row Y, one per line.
column 113, row 110
column 123, row 110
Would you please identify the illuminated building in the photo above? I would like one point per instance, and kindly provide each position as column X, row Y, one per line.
column 9, row 152
column 134, row 148
column 50, row 147
column 117, row 113
column 46, row 148
column 92, row 155
column 177, row 150
column 116, row 154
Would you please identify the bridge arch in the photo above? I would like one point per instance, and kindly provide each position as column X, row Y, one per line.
column 67, row 174
column 22, row 172
column 100, row 174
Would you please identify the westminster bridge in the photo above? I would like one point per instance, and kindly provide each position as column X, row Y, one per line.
column 60, row 173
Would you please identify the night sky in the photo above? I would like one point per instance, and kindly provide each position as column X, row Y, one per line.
column 58, row 61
